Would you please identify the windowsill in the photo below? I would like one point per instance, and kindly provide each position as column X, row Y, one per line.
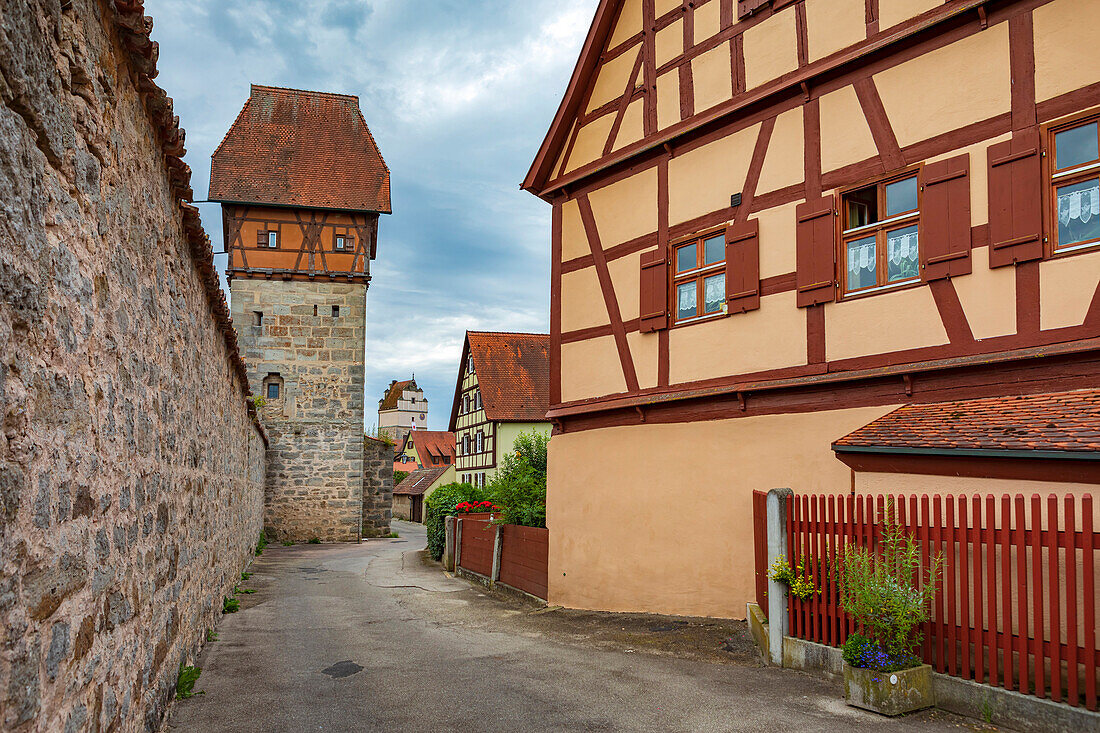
column 699, row 319
column 904, row 284
column 1075, row 249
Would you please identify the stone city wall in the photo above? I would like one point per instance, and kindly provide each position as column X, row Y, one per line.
column 377, row 487
column 131, row 468
column 290, row 333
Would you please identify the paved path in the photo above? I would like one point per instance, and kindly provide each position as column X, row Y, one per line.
column 369, row 637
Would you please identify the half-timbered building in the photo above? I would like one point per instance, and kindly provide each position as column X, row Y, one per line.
column 503, row 390
column 776, row 222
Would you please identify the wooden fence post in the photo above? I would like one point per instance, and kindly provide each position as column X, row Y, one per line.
column 497, row 546
column 777, row 505
column 458, row 543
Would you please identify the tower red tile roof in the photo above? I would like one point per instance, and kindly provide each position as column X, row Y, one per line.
column 513, row 375
column 1059, row 421
column 290, row 147
column 393, row 394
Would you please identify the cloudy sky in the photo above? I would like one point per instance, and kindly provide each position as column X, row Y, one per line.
column 458, row 94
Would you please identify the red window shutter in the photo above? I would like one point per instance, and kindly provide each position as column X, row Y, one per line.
column 743, row 266
column 261, row 238
column 1015, row 201
column 654, row 291
column 748, row 7
column 815, row 276
column 945, row 219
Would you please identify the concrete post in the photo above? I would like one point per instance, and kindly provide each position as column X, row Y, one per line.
column 458, row 543
column 777, row 505
column 449, row 543
column 497, row 545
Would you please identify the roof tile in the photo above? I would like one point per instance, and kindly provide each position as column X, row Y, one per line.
column 513, row 374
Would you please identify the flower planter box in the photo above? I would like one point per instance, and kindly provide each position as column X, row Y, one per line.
column 889, row 693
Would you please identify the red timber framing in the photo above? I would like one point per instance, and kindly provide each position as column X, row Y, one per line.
column 308, row 260
column 1015, row 605
column 1054, row 355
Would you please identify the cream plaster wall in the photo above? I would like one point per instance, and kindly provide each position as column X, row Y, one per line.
column 771, row 48
column 1066, row 288
column 626, row 209
column 834, row 24
column 590, row 142
column 701, row 181
column 892, row 12
column 643, row 349
column 741, row 343
column 915, row 98
column 777, row 240
column 629, row 23
column 711, row 77
column 708, row 21
column 632, row 128
column 574, row 241
column 668, row 99
column 591, row 369
column 1067, row 46
column 625, row 279
column 582, row 303
column 784, row 163
column 988, row 297
column 561, row 155
column 845, row 136
column 669, row 43
column 664, row 6
column 613, row 78
column 879, row 324
column 621, row 549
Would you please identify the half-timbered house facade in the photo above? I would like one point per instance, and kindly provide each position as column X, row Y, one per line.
column 503, row 390
column 776, row 222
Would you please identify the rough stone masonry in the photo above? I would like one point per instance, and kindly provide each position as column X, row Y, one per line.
column 131, row 468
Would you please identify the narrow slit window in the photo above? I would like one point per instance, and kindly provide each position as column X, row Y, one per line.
column 257, row 318
column 335, row 311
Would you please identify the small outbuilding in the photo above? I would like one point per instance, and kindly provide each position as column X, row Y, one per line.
column 410, row 494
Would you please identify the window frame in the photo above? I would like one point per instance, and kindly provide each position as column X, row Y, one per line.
column 700, row 273
column 1080, row 173
column 879, row 228
column 277, row 238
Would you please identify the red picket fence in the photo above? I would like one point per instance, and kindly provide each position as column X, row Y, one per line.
column 478, row 541
column 524, row 558
column 1016, row 601
column 760, row 546
column 524, row 553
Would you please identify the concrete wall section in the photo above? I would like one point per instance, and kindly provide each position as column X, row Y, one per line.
column 315, row 476
column 130, row 470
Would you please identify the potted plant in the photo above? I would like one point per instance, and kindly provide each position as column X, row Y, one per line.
column 883, row 591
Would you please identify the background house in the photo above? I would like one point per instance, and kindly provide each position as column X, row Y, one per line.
column 409, row 496
column 775, row 223
column 429, row 448
column 403, row 408
column 502, row 391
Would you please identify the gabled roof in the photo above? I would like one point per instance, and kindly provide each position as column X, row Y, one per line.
column 433, row 447
column 290, row 147
column 393, row 394
column 1060, row 423
column 513, row 375
column 420, row 481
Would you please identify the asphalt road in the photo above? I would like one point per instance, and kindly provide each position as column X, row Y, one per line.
column 369, row 637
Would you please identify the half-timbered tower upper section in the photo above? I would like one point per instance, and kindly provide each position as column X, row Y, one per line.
column 302, row 183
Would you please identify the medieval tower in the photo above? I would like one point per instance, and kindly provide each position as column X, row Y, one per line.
column 302, row 184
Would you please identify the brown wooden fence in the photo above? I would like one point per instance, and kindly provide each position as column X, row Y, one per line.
column 760, row 546
column 1016, row 601
column 524, row 553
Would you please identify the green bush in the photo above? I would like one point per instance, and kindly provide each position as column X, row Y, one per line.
column 520, row 484
column 442, row 504
column 878, row 591
column 860, row 651
column 399, row 476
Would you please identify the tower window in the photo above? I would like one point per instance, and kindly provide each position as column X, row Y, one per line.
column 335, row 311
column 268, row 239
column 257, row 318
column 341, row 242
column 273, row 390
column 273, row 386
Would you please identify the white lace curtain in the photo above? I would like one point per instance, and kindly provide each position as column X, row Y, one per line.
column 1081, row 205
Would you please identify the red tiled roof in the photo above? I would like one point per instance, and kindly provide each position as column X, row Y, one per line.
column 433, row 447
column 393, row 394
column 418, row 482
column 513, row 375
column 290, row 147
column 1060, row 421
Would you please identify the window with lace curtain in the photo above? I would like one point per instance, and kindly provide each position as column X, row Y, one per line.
column 1075, row 185
column 880, row 246
column 699, row 277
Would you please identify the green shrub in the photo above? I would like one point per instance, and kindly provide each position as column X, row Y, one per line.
column 798, row 581
column 230, row 605
column 399, row 476
column 314, row 540
column 520, row 484
column 442, row 504
column 860, row 651
column 185, row 681
column 878, row 591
